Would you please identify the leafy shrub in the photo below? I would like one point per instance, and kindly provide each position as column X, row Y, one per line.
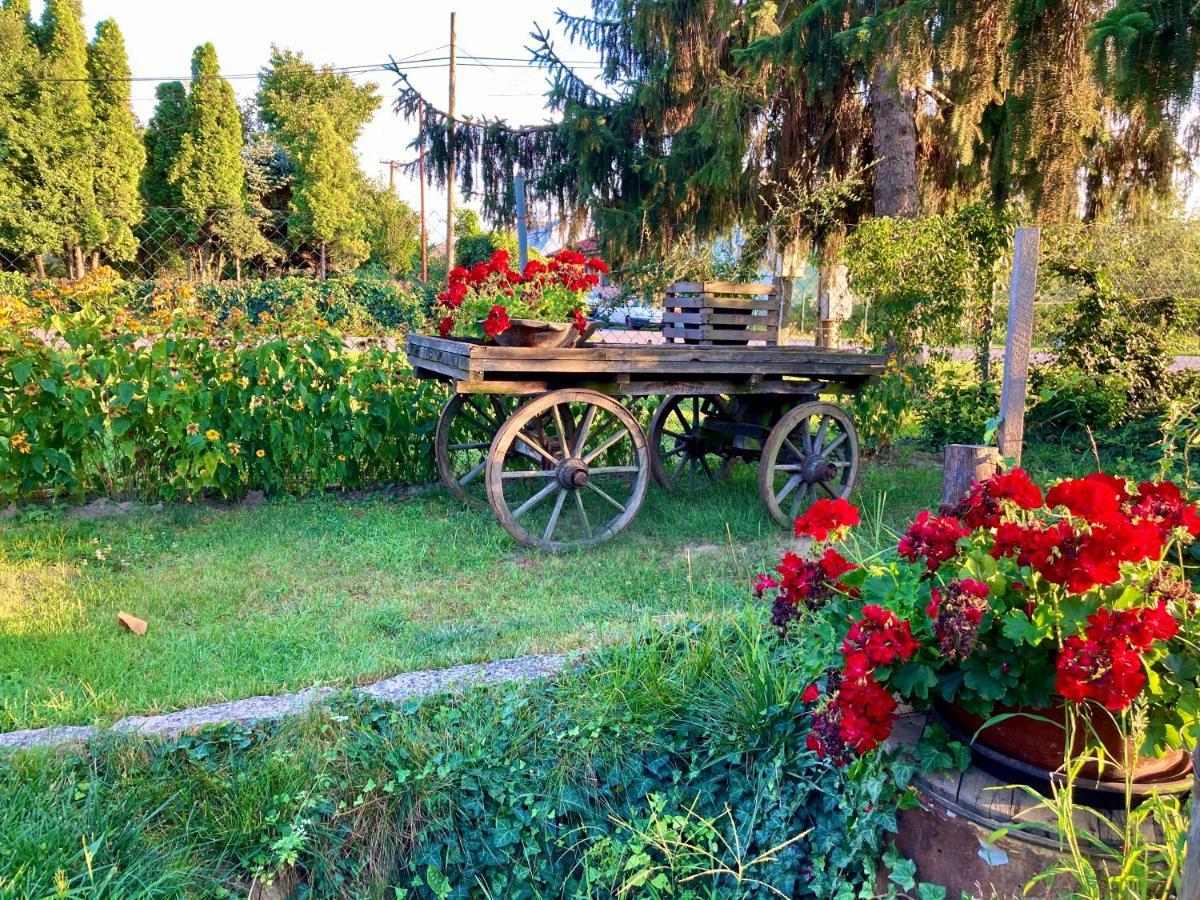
column 956, row 409
column 367, row 301
column 1064, row 400
column 115, row 406
column 880, row 409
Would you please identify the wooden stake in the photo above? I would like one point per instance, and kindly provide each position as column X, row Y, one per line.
column 1021, row 291
column 450, row 157
column 421, row 181
column 522, row 235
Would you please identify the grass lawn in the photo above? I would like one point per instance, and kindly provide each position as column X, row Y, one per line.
column 278, row 597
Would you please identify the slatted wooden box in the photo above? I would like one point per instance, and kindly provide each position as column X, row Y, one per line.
column 720, row 312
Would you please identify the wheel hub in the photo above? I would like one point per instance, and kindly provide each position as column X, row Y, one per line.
column 817, row 468
column 572, row 473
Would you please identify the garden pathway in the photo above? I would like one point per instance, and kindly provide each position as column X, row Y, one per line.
column 256, row 709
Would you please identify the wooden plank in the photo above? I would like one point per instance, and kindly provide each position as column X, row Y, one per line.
column 452, row 372
column 717, row 287
column 501, row 387
column 707, row 301
column 715, row 318
column 1021, row 291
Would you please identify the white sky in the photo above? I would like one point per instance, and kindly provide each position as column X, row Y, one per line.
column 161, row 34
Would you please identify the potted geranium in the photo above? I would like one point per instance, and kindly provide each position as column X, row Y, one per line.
column 541, row 305
column 1044, row 625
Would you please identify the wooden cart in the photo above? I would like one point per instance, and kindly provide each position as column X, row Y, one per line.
column 545, row 438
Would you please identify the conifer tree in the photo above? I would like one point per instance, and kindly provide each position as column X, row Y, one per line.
column 208, row 169
column 120, row 155
column 315, row 115
column 63, row 195
column 23, row 234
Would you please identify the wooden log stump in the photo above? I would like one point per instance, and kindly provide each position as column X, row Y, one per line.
column 1189, row 887
column 965, row 464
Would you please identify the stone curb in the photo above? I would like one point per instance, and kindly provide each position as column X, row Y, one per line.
column 257, row 709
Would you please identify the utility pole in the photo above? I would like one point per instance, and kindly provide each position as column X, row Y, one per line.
column 450, row 158
column 393, row 165
column 421, row 181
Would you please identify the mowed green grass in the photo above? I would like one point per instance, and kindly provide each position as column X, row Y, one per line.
column 243, row 601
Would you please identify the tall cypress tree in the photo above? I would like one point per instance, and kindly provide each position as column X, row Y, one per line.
column 23, row 235
column 63, row 195
column 208, row 170
column 120, row 155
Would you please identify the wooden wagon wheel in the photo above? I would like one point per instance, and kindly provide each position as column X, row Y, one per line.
column 680, row 452
column 585, row 478
column 465, row 430
column 811, row 452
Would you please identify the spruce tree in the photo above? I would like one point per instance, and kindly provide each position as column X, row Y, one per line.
column 208, row 169
column 63, row 195
column 120, row 155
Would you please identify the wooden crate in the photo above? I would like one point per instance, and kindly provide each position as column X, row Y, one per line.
column 720, row 312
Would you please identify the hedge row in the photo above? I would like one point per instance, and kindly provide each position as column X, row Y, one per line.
column 87, row 406
column 361, row 302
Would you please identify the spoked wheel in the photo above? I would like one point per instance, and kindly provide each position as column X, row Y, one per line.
column 465, row 430
column 568, row 469
column 812, row 452
column 681, row 454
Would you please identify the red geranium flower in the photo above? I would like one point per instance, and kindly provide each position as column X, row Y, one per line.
column 596, row 264
column 496, row 321
column 445, row 326
column 826, row 517
column 983, row 507
column 580, row 322
column 1096, row 497
column 933, row 537
column 811, row 693
column 1163, row 503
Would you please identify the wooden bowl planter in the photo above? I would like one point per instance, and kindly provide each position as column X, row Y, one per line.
column 1028, row 746
column 720, row 312
column 546, row 335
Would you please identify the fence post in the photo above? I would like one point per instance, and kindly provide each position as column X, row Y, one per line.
column 522, row 234
column 1018, row 341
column 1189, row 883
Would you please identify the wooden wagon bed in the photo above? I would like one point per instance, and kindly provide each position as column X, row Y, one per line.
column 547, row 438
column 633, row 370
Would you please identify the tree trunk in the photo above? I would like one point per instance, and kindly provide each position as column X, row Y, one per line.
column 894, row 128
column 95, row 260
column 40, row 265
column 80, row 264
column 322, row 260
column 237, row 270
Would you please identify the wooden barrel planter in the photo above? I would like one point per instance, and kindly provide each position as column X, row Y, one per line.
column 711, row 313
column 949, row 834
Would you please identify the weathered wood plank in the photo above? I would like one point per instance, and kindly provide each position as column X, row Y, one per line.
column 718, row 287
column 708, row 301
column 1019, row 341
column 501, row 387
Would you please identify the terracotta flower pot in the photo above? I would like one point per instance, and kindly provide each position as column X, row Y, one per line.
column 1037, row 737
column 535, row 333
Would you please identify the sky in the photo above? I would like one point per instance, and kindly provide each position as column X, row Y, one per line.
column 161, row 34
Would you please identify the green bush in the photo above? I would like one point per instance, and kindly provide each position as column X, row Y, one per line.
column 956, row 408
column 188, row 412
column 1065, row 401
column 614, row 780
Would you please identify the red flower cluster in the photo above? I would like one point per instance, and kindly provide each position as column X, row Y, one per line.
column 1097, row 498
column 933, row 537
column 984, row 504
column 879, row 638
column 802, row 585
column 1162, row 503
column 956, row 612
column 826, row 517
column 1105, row 663
column 496, row 321
column 567, row 268
column 860, row 712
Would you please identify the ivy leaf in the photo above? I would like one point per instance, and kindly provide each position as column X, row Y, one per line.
column 902, row 870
